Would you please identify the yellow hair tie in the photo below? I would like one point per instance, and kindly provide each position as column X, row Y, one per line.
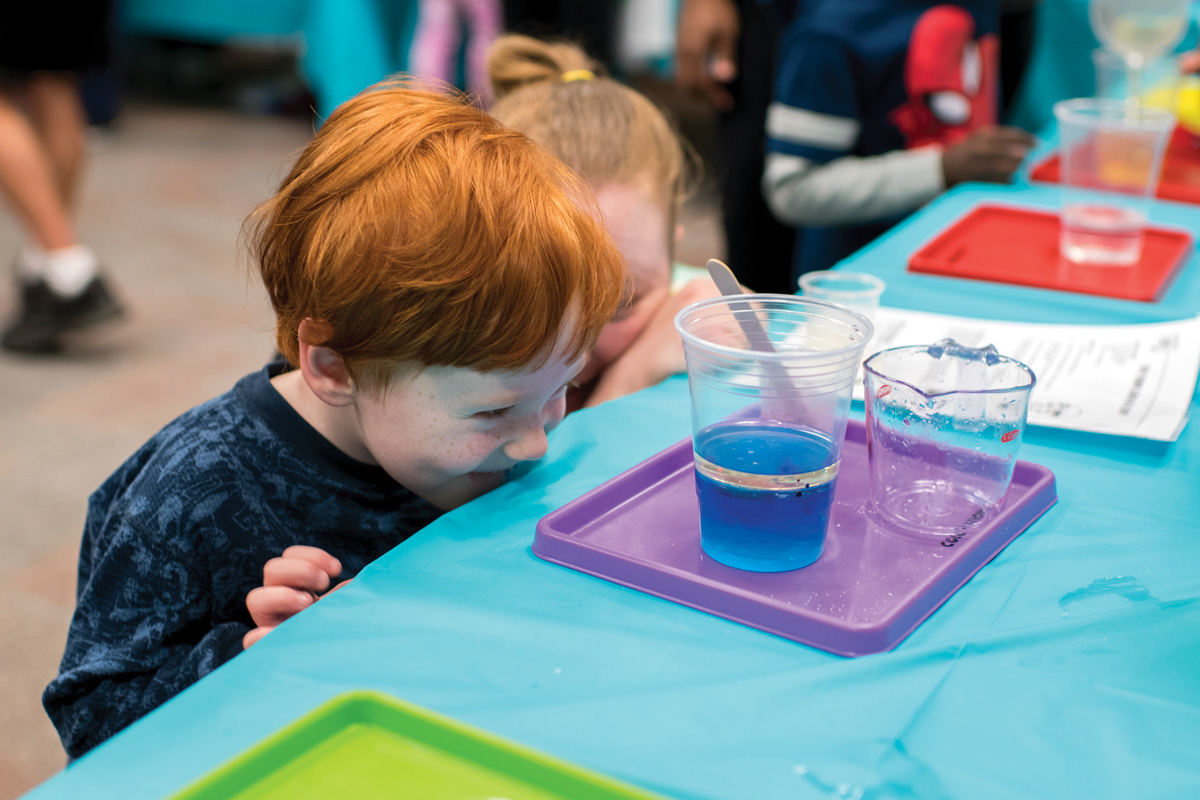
column 577, row 75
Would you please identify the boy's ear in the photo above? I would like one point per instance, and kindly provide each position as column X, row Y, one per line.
column 324, row 370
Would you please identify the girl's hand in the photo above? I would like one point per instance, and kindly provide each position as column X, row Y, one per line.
column 291, row 583
column 657, row 352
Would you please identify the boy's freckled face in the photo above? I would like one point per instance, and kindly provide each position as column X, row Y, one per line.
column 449, row 434
column 638, row 224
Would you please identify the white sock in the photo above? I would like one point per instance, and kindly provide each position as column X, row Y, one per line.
column 68, row 270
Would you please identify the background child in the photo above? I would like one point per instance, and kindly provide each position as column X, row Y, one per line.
column 880, row 106
column 61, row 287
column 637, row 164
column 725, row 56
column 438, row 285
column 441, row 27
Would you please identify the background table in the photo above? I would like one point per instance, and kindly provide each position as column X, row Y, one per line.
column 344, row 46
column 1067, row 667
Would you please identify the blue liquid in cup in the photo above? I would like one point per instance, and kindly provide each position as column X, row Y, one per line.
column 765, row 492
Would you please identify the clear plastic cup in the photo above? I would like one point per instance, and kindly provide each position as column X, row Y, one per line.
column 859, row 291
column 770, row 378
column 944, row 423
column 1111, row 154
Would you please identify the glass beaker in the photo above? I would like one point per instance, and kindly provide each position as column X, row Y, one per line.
column 770, row 378
column 944, row 423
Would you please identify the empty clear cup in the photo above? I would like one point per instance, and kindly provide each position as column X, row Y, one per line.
column 859, row 291
column 770, row 378
column 1111, row 153
column 944, row 423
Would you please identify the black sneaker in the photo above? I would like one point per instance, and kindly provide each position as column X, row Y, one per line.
column 45, row 315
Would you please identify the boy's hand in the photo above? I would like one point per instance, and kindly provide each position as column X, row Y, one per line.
column 291, row 583
column 706, row 49
column 990, row 154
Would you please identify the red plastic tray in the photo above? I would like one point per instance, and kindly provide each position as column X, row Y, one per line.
column 1180, row 174
column 1005, row 244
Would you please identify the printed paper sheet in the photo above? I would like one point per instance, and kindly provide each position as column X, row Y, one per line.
column 1127, row 380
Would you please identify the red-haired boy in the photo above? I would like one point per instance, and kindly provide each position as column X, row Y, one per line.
column 437, row 285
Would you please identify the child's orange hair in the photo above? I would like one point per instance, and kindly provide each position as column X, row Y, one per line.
column 420, row 231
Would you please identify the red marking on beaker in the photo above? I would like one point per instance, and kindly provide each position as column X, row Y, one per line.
column 883, row 391
column 1008, row 437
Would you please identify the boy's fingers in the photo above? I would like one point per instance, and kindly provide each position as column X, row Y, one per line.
column 296, row 573
column 1003, row 135
column 1015, row 132
column 254, row 635
column 271, row 605
column 1014, row 137
column 998, row 170
column 1002, row 161
column 1008, row 152
column 317, row 556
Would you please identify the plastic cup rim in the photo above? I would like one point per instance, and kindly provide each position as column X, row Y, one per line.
column 1000, row 390
column 875, row 287
column 835, row 354
column 1112, row 112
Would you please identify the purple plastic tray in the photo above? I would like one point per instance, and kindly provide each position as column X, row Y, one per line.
column 870, row 589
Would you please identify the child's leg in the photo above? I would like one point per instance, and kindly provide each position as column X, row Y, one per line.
column 485, row 20
column 57, row 114
column 435, row 41
column 59, row 281
column 29, row 181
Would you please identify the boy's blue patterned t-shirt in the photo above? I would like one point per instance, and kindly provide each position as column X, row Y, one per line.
column 178, row 536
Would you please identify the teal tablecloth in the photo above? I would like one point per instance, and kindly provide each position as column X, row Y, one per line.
column 1067, row 667
column 344, row 46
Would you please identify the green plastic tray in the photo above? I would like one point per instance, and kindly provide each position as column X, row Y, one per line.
column 370, row 745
